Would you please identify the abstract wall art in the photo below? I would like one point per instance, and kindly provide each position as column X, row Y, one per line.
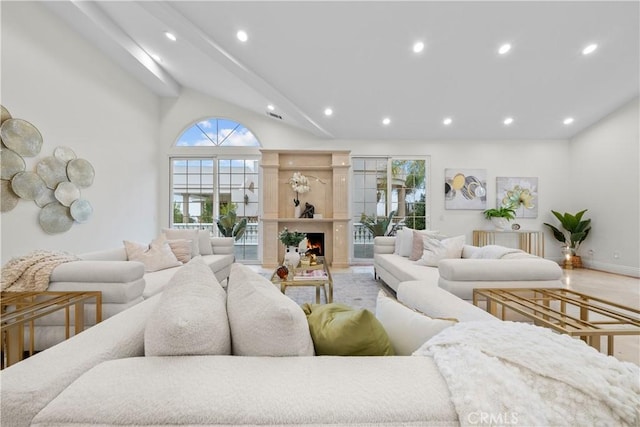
column 465, row 189
column 519, row 193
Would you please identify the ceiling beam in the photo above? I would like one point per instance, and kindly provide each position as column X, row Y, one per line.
column 85, row 17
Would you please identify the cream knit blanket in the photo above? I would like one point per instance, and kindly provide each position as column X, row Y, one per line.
column 512, row 373
column 31, row 272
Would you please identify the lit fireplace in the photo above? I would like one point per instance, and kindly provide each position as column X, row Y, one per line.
column 315, row 243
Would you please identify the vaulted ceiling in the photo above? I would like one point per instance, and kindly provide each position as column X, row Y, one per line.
column 357, row 58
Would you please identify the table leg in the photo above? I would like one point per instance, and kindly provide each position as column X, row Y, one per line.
column 318, row 294
column 610, row 345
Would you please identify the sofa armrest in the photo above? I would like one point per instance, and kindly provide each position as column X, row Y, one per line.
column 222, row 245
column 479, row 270
column 384, row 244
column 98, row 271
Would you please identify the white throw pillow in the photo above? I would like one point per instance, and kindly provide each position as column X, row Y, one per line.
column 436, row 250
column 193, row 235
column 156, row 256
column 204, row 242
column 407, row 329
column 263, row 321
column 191, row 317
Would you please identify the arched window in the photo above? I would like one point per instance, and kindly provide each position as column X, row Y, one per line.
column 215, row 177
column 217, row 132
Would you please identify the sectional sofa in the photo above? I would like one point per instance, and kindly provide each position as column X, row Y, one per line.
column 458, row 267
column 125, row 283
column 179, row 358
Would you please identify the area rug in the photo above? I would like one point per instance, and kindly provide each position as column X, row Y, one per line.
column 357, row 290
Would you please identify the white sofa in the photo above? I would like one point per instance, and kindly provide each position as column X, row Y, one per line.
column 122, row 283
column 102, row 377
column 514, row 269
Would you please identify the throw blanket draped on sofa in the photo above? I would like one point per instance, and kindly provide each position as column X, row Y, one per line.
column 517, row 373
column 31, row 273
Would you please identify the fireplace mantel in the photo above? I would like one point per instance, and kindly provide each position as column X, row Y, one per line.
column 329, row 197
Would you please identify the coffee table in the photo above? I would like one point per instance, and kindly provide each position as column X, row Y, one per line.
column 565, row 311
column 21, row 309
column 295, row 278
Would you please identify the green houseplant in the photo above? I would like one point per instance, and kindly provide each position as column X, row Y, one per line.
column 500, row 216
column 575, row 228
column 228, row 224
column 379, row 226
column 291, row 238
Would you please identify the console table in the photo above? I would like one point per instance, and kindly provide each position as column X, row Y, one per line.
column 530, row 241
column 21, row 309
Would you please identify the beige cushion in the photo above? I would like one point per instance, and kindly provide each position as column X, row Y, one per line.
column 191, row 317
column 436, row 250
column 263, row 321
column 181, row 248
column 156, row 256
column 193, row 235
column 407, row 329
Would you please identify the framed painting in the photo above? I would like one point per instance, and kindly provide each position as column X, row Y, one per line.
column 520, row 193
column 465, row 189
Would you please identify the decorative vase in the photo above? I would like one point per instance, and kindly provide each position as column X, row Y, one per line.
column 297, row 212
column 500, row 223
column 292, row 257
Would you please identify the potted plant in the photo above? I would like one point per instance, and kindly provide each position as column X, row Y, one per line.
column 575, row 232
column 228, row 224
column 500, row 216
column 291, row 239
column 379, row 226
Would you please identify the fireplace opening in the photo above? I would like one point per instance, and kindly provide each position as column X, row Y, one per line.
column 315, row 243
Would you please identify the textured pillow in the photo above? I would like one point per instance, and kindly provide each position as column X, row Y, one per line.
column 407, row 329
column 193, row 235
column 404, row 241
column 156, row 256
column 204, row 242
column 418, row 242
column 264, row 321
column 436, row 250
column 339, row 330
column 191, row 317
column 181, row 248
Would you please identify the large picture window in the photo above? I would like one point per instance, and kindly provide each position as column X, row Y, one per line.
column 221, row 187
column 387, row 193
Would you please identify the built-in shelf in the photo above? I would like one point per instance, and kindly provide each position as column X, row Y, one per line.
column 330, row 197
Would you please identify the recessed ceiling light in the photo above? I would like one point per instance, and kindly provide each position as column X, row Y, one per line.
column 589, row 49
column 508, row 121
column 242, row 36
column 418, row 47
column 568, row 120
column 386, row 121
column 504, row 49
column 447, row 121
column 270, row 107
column 170, row 36
column 328, row 111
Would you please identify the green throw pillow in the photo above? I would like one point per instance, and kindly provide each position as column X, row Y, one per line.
column 339, row 330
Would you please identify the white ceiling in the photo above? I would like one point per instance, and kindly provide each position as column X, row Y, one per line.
column 356, row 57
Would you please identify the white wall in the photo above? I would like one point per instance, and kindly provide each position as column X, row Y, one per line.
column 604, row 178
column 78, row 98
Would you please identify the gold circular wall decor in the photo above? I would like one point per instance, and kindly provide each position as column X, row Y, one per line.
column 11, row 163
column 81, row 210
column 67, row 193
column 64, row 154
column 80, row 172
column 45, row 198
column 55, row 218
column 27, row 185
column 9, row 199
column 4, row 114
column 52, row 171
column 21, row 136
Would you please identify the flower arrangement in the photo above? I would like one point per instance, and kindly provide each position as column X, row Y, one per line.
column 291, row 238
column 299, row 184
